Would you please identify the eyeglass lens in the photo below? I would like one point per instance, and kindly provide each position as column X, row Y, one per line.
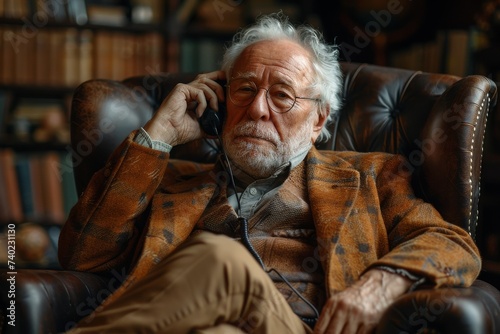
column 280, row 97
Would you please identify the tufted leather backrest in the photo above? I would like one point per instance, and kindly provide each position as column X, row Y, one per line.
column 437, row 121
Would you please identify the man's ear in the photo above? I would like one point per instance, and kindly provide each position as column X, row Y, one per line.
column 319, row 122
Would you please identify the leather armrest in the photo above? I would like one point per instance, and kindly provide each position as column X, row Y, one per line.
column 49, row 301
column 448, row 310
column 52, row 301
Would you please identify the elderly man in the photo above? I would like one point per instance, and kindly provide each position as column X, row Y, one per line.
column 276, row 237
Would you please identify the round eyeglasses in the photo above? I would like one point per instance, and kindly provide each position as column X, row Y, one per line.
column 280, row 97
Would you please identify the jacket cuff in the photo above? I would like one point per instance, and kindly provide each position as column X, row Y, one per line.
column 143, row 138
column 417, row 280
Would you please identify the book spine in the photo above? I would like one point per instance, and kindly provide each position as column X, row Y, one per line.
column 52, row 184
column 7, row 159
column 23, row 173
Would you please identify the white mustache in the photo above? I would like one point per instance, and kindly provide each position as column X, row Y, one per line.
column 251, row 129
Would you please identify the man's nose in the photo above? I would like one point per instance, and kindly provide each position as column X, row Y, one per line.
column 259, row 108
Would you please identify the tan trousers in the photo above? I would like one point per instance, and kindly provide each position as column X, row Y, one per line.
column 211, row 284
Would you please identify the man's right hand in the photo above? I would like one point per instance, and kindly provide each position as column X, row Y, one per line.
column 175, row 122
column 359, row 308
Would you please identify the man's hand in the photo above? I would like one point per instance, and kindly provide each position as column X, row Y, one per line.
column 176, row 120
column 359, row 308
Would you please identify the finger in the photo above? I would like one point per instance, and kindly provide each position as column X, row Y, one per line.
column 214, row 76
column 195, row 98
column 323, row 320
column 349, row 327
column 365, row 328
column 336, row 326
column 210, row 80
column 329, row 321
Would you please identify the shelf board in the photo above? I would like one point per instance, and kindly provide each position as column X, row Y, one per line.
column 29, row 146
column 37, row 90
column 129, row 27
column 198, row 32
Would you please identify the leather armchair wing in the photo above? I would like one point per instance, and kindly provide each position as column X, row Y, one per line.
column 438, row 121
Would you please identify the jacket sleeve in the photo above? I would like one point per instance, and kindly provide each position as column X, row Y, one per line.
column 104, row 227
column 420, row 241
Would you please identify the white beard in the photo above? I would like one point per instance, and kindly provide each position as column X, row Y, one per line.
column 261, row 161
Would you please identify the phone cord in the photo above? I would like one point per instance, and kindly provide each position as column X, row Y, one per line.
column 243, row 225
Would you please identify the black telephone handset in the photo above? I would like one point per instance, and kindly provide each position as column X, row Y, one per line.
column 211, row 121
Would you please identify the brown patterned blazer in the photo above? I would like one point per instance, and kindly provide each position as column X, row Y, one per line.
column 141, row 206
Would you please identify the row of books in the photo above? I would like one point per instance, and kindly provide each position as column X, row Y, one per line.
column 69, row 56
column 200, row 55
column 451, row 51
column 36, row 187
column 108, row 12
column 55, row 9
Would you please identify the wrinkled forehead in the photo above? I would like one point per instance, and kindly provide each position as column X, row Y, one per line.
column 275, row 60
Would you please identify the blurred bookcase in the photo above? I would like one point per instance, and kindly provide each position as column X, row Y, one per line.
column 48, row 48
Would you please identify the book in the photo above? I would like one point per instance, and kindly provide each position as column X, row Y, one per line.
column 5, row 104
column 37, row 190
column 86, row 64
column 42, row 57
column 7, row 72
column 58, row 10
column 24, row 61
column 103, row 54
column 2, row 46
column 148, row 11
column 200, row 55
column 121, row 52
column 55, row 56
column 4, row 200
column 153, row 56
column 52, row 187
column 71, row 58
column 190, row 53
column 210, row 55
column 107, row 15
column 70, row 196
column 77, row 11
column 9, row 179
column 23, row 173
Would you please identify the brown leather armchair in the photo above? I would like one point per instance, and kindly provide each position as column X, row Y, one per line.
column 438, row 121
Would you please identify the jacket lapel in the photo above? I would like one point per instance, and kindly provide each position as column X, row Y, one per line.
column 333, row 186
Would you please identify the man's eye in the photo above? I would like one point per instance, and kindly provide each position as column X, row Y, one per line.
column 281, row 95
column 246, row 89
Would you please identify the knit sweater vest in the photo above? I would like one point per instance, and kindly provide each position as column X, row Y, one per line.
column 282, row 232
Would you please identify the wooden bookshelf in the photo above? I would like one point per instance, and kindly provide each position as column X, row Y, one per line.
column 44, row 56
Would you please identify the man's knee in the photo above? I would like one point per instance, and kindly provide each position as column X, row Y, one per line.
column 220, row 248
